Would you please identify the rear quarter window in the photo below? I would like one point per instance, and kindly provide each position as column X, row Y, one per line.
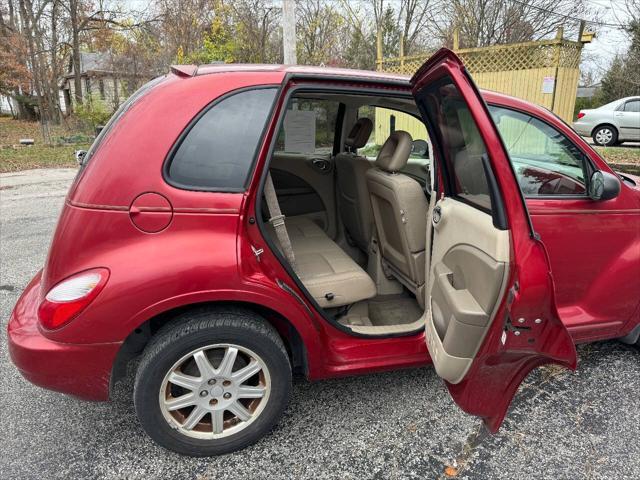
column 217, row 150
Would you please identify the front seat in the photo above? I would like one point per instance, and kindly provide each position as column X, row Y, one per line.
column 400, row 212
column 353, row 200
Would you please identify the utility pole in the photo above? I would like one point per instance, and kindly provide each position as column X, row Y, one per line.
column 289, row 31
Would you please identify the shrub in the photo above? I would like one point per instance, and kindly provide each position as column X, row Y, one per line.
column 93, row 112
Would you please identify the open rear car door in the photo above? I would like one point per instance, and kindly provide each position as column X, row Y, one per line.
column 492, row 316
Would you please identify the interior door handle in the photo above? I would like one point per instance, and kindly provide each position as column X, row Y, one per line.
column 321, row 164
column 437, row 215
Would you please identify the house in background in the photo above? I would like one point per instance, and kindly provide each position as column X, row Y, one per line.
column 587, row 91
column 100, row 78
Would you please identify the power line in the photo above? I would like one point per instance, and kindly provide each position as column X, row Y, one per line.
column 523, row 3
column 593, row 22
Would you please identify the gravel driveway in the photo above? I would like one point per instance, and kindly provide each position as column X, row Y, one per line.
column 392, row 425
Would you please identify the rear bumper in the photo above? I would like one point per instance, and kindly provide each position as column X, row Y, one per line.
column 80, row 370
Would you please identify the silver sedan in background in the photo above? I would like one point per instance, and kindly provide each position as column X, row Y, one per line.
column 610, row 124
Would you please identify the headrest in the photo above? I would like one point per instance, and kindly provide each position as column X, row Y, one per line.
column 454, row 137
column 359, row 133
column 395, row 152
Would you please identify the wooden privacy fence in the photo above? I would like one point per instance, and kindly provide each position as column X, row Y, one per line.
column 544, row 72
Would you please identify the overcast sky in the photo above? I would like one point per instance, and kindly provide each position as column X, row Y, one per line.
column 609, row 42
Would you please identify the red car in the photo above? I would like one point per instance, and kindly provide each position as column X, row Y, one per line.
column 230, row 227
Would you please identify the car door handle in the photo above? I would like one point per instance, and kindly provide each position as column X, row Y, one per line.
column 321, row 164
column 437, row 215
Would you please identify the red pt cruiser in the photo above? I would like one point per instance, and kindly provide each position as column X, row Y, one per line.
column 234, row 224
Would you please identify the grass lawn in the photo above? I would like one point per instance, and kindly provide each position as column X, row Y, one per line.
column 623, row 159
column 14, row 157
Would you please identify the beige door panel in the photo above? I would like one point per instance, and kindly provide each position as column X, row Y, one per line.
column 468, row 273
column 317, row 171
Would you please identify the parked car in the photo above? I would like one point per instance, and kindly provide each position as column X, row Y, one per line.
column 224, row 228
column 611, row 124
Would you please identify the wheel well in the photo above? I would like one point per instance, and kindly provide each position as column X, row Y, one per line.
column 604, row 125
column 137, row 340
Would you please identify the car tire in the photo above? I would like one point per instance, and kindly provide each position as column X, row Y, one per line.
column 216, row 333
column 605, row 136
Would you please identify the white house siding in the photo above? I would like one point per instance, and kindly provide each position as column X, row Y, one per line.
column 113, row 91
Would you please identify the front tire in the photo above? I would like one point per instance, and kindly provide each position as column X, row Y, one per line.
column 212, row 382
column 605, row 136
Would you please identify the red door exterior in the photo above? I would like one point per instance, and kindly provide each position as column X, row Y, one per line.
column 506, row 356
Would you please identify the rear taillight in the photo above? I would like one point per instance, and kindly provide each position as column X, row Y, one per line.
column 581, row 114
column 69, row 297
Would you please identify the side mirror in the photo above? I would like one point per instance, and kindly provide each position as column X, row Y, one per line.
column 603, row 186
column 420, row 148
column 79, row 154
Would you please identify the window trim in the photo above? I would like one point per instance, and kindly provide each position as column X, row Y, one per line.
column 166, row 164
column 589, row 167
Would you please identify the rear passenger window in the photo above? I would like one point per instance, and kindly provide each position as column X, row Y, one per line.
column 632, row 106
column 309, row 127
column 217, row 152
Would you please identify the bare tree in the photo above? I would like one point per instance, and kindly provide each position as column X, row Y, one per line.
column 320, row 32
column 257, row 25
column 44, row 84
column 184, row 24
column 15, row 76
column 488, row 22
column 414, row 19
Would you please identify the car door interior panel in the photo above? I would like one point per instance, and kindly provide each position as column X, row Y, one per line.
column 306, row 187
column 469, row 262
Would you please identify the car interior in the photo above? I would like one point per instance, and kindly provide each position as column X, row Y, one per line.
column 348, row 204
column 355, row 203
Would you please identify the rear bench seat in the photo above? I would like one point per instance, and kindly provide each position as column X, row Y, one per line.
column 330, row 275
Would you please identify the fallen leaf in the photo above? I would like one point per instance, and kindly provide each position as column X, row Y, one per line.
column 451, row 471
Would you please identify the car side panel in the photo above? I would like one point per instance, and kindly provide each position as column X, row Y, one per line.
column 594, row 249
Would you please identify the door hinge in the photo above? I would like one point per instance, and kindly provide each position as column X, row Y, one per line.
column 516, row 329
column 257, row 252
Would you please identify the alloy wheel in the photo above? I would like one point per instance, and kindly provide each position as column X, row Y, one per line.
column 215, row 391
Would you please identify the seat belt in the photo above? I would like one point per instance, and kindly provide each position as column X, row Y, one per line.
column 277, row 220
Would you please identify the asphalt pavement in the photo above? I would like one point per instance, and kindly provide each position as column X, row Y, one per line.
column 402, row 424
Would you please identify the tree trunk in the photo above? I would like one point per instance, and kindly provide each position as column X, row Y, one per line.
column 75, row 50
column 53, row 83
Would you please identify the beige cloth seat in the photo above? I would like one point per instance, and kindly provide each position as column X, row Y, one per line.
column 330, row 275
column 400, row 212
column 353, row 196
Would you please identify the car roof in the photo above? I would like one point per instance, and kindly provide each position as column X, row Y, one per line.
column 315, row 71
column 321, row 72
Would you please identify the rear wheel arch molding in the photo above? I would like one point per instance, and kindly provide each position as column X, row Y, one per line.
column 139, row 337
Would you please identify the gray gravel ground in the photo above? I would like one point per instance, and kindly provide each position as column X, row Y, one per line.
column 393, row 425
